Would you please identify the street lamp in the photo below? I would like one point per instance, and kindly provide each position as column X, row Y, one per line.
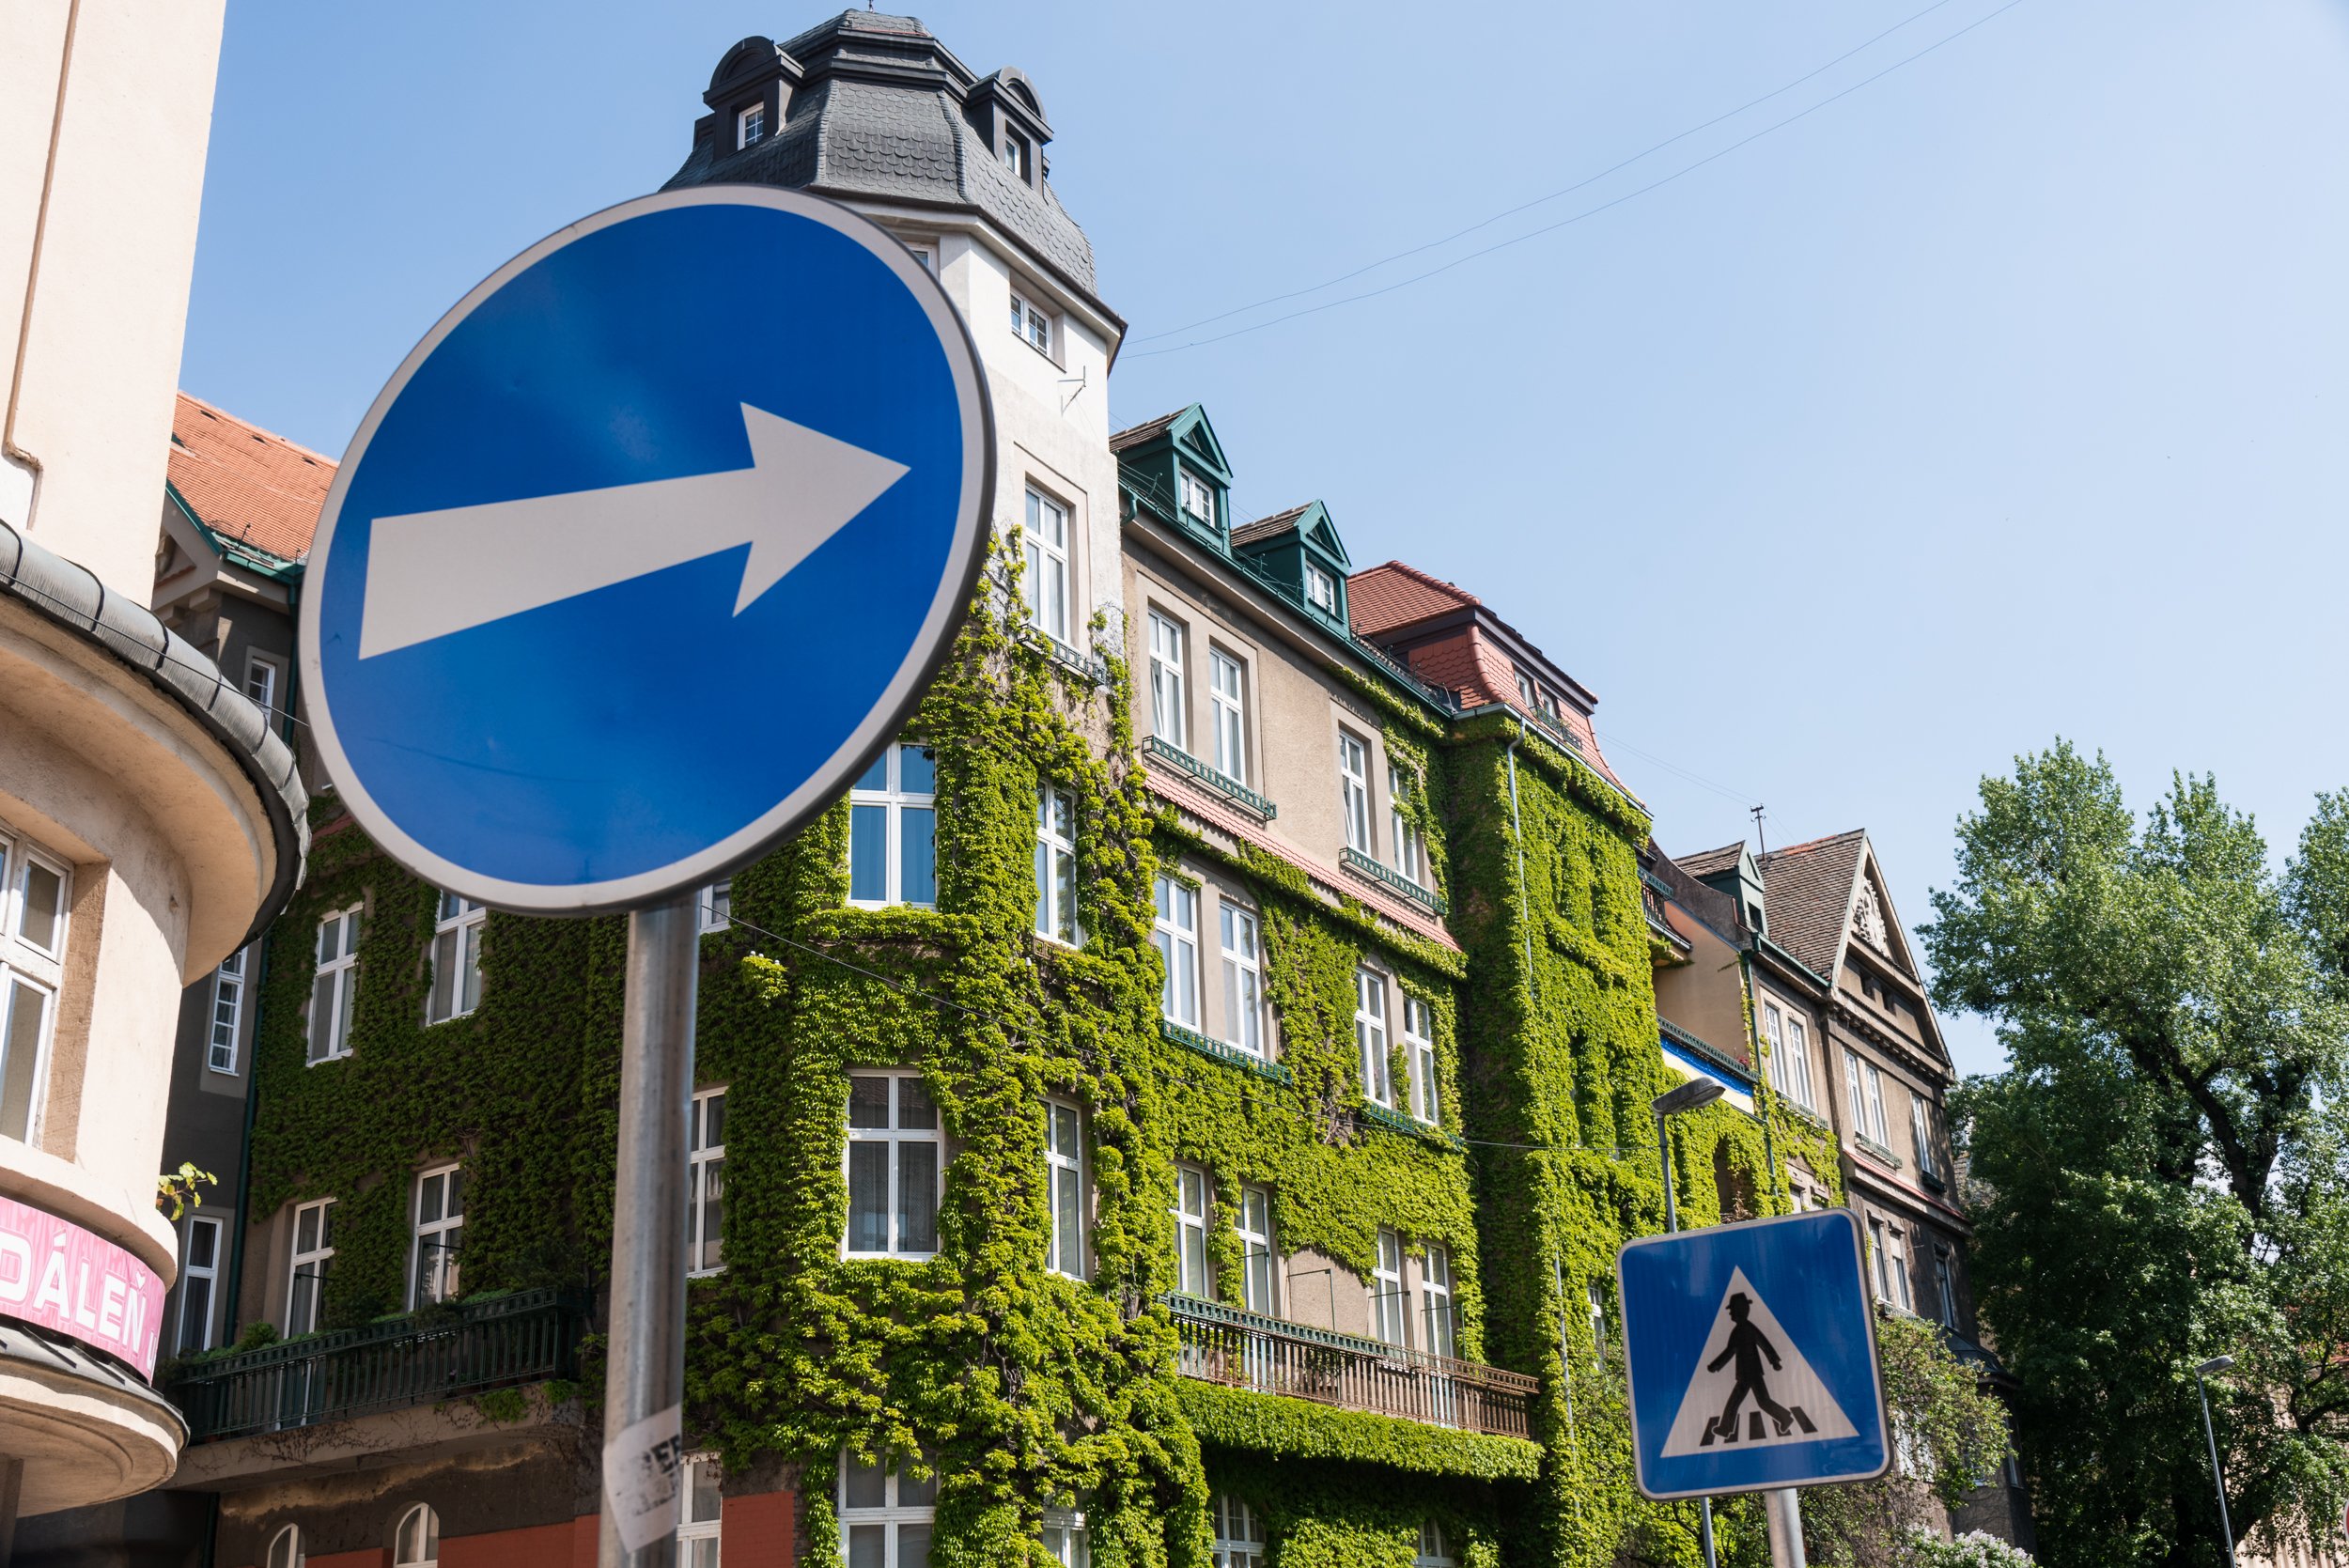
column 2211, row 1368
column 1688, row 1096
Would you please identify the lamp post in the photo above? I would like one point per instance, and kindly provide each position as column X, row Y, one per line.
column 1688, row 1096
column 2211, row 1367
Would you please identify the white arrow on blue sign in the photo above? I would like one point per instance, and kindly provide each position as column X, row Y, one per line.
column 1751, row 1356
column 647, row 548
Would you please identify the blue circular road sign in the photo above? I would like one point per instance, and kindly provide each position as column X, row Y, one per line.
column 646, row 548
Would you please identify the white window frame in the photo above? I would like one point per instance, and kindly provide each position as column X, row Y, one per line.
column 749, row 125
column 1920, row 1126
column 293, row 1555
column 444, row 1236
column 695, row 1529
column 1252, row 1225
column 1227, row 698
column 1169, row 711
column 1371, row 1046
column 428, row 1553
column 1047, row 564
column 225, row 1031
column 1174, row 931
column 1418, row 1051
column 1411, row 853
column 1056, row 865
column 1439, row 1301
column 1032, row 324
column 1881, row 1133
column 190, row 1272
column 705, row 1184
column 1064, row 1539
column 1897, row 1266
column 713, row 907
column 1354, row 791
column 31, row 971
column 1195, row 496
column 1598, row 1323
column 457, row 926
column 1194, row 1268
column 1064, row 1205
column 895, row 801
column 891, row 1516
column 1945, row 1286
column 1240, row 939
column 264, row 680
column 340, row 975
column 1433, row 1551
column 1239, row 1534
column 1321, row 589
column 1799, row 1084
column 896, row 1137
column 1389, row 1308
column 1015, row 153
column 316, row 1260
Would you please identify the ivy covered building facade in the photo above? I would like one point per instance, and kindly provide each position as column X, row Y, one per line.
column 1180, row 1108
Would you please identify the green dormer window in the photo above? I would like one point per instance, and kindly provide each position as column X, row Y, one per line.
column 1198, row 498
column 1321, row 589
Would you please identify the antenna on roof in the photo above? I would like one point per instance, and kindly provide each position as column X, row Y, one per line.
column 1762, row 842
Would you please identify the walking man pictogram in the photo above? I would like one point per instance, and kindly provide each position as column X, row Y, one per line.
column 1748, row 1346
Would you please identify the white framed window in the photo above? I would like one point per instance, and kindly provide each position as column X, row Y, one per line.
column 24, row 1029
column 1389, row 1315
column 1243, row 978
column 1798, row 1063
column 1239, row 1536
column 1065, row 1176
column 885, row 1514
column 1056, row 864
column 1944, row 1288
column 892, row 830
column 1227, row 692
column 1191, row 1232
column 1064, row 1540
column 1880, row 1258
column 1197, row 496
column 1894, row 1265
column 1920, row 1125
column 750, row 126
column 1434, row 1551
column 439, row 1232
column 1259, row 1265
column 199, row 1274
column 337, row 986
column 1418, row 1049
column 1321, row 589
column 1031, row 323
column 705, row 1184
column 1016, row 154
column 1866, row 1083
column 220, row 1054
column 1598, row 1323
column 1410, row 854
column 893, row 1167
column 925, row 252
column 1169, row 714
column 1354, row 790
column 284, row 1548
column 312, row 1261
column 35, row 889
column 1439, row 1313
column 713, row 907
column 1175, row 933
column 33, row 905
column 416, row 1540
column 699, row 1520
column 1045, row 541
column 264, row 679
column 1370, row 1036
column 456, row 960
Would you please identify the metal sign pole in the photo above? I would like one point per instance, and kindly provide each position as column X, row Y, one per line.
column 644, row 1361
column 1785, row 1510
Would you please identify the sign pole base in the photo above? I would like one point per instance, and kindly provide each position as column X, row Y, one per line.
column 1784, row 1509
column 645, row 1360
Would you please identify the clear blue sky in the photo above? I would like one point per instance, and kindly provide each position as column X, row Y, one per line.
column 1998, row 399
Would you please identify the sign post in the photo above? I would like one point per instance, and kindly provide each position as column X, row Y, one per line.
column 642, row 555
column 1752, row 1357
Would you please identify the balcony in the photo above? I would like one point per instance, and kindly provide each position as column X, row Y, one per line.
column 1223, row 783
column 526, row 1337
column 1263, row 1355
column 1362, row 865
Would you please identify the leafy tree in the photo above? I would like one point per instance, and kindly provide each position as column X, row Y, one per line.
column 2158, row 1174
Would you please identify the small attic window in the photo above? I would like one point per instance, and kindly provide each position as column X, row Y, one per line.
column 1198, row 497
column 1321, row 589
column 750, row 126
column 1016, row 154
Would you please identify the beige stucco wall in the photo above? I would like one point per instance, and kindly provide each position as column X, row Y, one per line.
column 100, row 188
column 1705, row 995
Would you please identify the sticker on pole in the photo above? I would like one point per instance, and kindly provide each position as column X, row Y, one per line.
column 1751, row 1356
column 644, row 1475
column 647, row 548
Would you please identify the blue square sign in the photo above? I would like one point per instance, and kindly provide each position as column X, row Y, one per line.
column 1751, row 1356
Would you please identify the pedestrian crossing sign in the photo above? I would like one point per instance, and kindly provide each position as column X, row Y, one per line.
column 1751, row 1356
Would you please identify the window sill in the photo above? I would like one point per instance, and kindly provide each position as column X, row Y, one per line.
column 704, row 1273
column 1213, row 778
column 1394, row 881
column 1876, row 1151
column 1230, row 1055
column 1090, row 668
column 1408, row 1125
column 331, row 1056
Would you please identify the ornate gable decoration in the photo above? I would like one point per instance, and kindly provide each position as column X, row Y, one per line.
column 1867, row 916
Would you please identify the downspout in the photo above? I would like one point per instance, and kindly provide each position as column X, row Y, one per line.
column 8, row 448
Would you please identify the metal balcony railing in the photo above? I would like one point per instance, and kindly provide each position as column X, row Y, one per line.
column 526, row 1337
column 1243, row 1350
column 1362, row 865
column 1214, row 779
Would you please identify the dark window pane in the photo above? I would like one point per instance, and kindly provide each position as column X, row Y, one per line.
column 913, row 1547
column 919, row 854
column 917, row 1198
column 868, row 1101
column 869, row 853
column 20, row 1053
column 867, row 1485
column 914, row 1106
column 868, row 1547
column 869, row 1197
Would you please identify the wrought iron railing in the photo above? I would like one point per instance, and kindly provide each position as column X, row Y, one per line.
column 1214, row 778
column 1243, row 1350
column 526, row 1337
column 1387, row 877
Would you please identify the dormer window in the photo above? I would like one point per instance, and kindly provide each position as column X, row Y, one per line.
column 1016, row 155
column 1321, row 589
column 750, row 126
column 1198, row 498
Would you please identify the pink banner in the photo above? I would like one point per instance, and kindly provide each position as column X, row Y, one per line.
column 57, row 1276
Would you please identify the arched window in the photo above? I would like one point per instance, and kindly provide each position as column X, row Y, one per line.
column 417, row 1542
column 284, row 1548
